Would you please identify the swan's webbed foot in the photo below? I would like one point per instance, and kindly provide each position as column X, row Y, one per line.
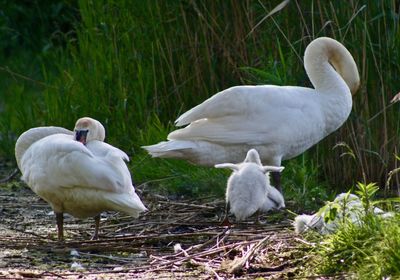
column 226, row 222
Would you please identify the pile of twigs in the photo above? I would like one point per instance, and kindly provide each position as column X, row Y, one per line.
column 172, row 237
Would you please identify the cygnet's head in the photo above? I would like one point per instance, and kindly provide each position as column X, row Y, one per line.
column 88, row 129
column 253, row 156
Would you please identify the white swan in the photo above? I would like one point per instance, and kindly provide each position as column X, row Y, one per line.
column 348, row 208
column 77, row 173
column 281, row 122
column 249, row 189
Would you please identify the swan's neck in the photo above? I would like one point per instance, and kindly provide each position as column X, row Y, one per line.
column 321, row 58
column 334, row 74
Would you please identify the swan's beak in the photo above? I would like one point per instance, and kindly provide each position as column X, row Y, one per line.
column 80, row 135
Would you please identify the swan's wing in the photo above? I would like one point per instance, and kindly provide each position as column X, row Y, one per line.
column 224, row 103
column 105, row 150
column 59, row 161
column 26, row 139
column 113, row 159
column 235, row 101
column 257, row 116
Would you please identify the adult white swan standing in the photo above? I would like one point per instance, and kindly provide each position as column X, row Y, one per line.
column 280, row 122
column 77, row 173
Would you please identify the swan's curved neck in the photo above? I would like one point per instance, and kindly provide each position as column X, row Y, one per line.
column 319, row 57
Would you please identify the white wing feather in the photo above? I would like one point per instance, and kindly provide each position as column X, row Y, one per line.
column 26, row 139
column 243, row 114
column 59, row 161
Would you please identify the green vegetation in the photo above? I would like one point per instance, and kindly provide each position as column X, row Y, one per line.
column 136, row 65
column 368, row 251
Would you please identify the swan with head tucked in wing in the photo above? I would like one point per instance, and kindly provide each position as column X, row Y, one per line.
column 280, row 122
column 77, row 172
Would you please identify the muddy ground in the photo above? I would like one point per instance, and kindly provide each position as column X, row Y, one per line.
column 175, row 239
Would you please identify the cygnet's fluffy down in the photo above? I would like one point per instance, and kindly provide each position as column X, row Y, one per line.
column 248, row 188
column 350, row 205
column 77, row 172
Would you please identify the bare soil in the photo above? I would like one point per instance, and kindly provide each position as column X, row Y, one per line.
column 175, row 239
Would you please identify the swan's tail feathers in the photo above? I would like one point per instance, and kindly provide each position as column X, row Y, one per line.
column 127, row 203
column 169, row 149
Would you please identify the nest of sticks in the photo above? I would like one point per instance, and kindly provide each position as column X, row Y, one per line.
column 175, row 237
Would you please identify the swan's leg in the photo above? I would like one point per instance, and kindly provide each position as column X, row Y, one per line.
column 225, row 222
column 96, row 227
column 60, row 226
column 276, row 177
column 258, row 218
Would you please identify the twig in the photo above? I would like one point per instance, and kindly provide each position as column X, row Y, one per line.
column 10, row 176
column 183, row 259
column 15, row 74
column 125, row 260
column 305, row 242
column 187, row 205
column 238, row 264
column 207, row 268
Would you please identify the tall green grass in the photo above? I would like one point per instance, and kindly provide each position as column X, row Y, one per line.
column 136, row 65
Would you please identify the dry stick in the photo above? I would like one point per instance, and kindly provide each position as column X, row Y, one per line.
column 10, row 176
column 201, row 254
column 224, row 235
column 390, row 175
column 152, row 267
column 15, row 74
column 238, row 264
column 111, row 242
column 207, row 268
column 312, row 244
column 27, row 232
column 114, row 258
column 187, row 204
column 45, row 273
column 146, row 238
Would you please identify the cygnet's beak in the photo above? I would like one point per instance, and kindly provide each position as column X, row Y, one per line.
column 80, row 135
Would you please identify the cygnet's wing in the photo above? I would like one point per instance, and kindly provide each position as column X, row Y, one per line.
column 274, row 200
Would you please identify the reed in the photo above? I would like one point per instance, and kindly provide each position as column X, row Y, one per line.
column 136, row 65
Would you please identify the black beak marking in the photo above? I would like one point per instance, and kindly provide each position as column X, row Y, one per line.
column 80, row 135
